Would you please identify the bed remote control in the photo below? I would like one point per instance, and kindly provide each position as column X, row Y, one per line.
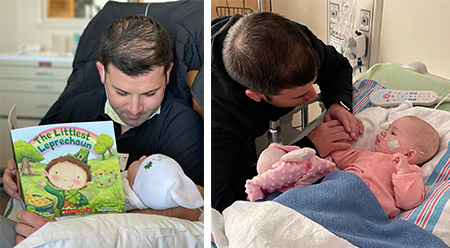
column 389, row 98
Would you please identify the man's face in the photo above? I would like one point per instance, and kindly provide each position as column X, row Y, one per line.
column 135, row 99
column 293, row 97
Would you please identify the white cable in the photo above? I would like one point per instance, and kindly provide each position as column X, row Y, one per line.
column 444, row 99
column 146, row 9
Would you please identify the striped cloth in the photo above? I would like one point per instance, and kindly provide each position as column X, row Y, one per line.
column 437, row 189
column 361, row 93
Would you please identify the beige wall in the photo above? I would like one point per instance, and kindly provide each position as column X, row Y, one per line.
column 20, row 23
column 417, row 30
column 312, row 13
column 411, row 30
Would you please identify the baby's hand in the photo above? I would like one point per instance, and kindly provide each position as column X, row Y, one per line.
column 401, row 163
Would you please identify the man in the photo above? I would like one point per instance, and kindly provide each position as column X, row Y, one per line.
column 263, row 65
column 135, row 64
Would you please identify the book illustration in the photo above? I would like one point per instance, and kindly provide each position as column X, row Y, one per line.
column 68, row 175
column 67, row 169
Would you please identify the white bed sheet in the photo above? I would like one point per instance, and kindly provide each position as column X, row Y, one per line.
column 118, row 230
column 248, row 224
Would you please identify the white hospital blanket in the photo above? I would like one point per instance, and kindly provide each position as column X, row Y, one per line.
column 272, row 225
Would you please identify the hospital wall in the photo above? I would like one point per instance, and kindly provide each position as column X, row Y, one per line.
column 411, row 30
column 21, row 23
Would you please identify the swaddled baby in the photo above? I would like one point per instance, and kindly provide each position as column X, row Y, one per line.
column 158, row 182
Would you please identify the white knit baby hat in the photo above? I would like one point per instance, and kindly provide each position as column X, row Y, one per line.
column 160, row 183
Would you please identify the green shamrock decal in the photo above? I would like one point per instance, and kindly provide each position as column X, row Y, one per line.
column 147, row 166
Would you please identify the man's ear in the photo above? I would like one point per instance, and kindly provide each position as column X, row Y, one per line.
column 256, row 96
column 168, row 73
column 410, row 155
column 101, row 71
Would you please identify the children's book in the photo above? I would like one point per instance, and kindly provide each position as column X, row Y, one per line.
column 67, row 169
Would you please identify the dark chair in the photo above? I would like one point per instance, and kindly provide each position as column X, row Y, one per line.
column 182, row 19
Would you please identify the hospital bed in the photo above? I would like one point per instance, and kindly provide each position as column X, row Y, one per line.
column 341, row 211
column 184, row 22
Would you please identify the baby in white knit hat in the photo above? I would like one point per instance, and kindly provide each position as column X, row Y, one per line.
column 158, row 182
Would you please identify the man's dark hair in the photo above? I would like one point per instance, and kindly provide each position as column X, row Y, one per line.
column 266, row 52
column 135, row 45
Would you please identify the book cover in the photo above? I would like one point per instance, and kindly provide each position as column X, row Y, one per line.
column 68, row 169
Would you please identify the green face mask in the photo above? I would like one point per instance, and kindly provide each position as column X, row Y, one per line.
column 115, row 117
column 112, row 114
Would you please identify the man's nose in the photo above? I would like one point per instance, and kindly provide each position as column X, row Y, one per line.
column 135, row 106
column 311, row 95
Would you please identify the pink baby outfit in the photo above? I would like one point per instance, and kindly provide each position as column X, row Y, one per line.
column 295, row 168
column 393, row 191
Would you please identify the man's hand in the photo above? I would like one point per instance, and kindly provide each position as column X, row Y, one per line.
column 9, row 180
column 31, row 222
column 201, row 190
column 178, row 212
column 328, row 137
column 352, row 125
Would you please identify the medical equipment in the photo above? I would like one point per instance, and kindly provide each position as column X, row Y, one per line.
column 342, row 32
column 274, row 135
column 392, row 144
column 356, row 46
column 364, row 36
column 389, row 98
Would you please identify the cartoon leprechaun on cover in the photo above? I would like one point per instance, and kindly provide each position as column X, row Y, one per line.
column 68, row 175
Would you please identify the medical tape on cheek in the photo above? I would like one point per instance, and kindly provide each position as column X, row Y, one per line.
column 392, row 144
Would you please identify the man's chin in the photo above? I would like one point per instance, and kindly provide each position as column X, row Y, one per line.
column 134, row 123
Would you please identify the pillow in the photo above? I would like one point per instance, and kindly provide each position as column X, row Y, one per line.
column 397, row 77
column 118, row 230
column 434, row 212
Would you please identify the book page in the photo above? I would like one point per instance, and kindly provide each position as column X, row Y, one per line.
column 12, row 118
column 12, row 123
column 69, row 168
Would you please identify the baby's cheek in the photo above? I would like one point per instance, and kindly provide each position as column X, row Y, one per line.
column 54, row 178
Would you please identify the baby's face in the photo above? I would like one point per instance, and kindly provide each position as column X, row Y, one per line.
column 398, row 137
column 133, row 169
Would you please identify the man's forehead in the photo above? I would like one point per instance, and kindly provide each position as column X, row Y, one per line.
column 151, row 81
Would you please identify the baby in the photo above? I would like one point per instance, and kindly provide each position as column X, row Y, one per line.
column 158, row 182
column 392, row 169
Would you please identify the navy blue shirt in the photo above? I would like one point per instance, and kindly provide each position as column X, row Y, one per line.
column 237, row 120
column 177, row 131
